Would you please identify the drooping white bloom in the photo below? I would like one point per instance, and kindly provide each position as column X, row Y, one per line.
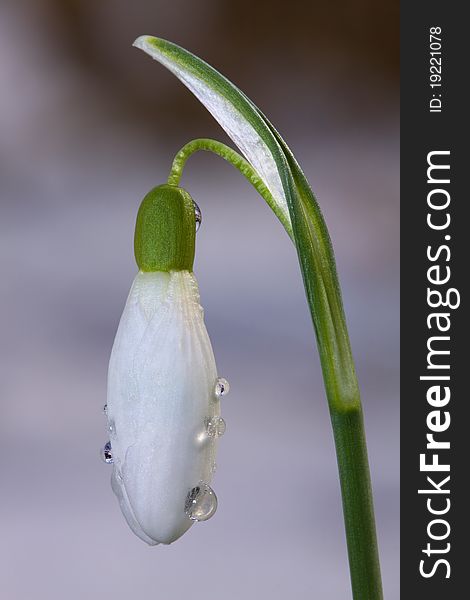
column 162, row 408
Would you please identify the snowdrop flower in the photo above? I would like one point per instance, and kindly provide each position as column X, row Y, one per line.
column 163, row 412
column 163, row 403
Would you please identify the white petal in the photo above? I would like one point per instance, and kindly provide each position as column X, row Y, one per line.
column 161, row 382
column 243, row 134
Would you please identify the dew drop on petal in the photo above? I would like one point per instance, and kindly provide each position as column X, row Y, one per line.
column 201, row 503
column 105, row 409
column 215, row 426
column 197, row 215
column 106, row 454
column 111, row 427
column 222, row 387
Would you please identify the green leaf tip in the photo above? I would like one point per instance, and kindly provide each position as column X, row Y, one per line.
column 165, row 230
column 232, row 110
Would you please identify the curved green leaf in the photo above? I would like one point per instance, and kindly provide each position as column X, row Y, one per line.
column 235, row 113
column 270, row 156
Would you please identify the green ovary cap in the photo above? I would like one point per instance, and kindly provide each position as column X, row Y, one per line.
column 165, row 230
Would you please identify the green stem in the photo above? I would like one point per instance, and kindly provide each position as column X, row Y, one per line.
column 242, row 165
column 323, row 293
column 324, row 299
column 353, row 465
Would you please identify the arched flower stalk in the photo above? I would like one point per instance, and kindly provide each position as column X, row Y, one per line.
column 143, row 405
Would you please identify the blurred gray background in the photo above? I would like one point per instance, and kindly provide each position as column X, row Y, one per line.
column 87, row 126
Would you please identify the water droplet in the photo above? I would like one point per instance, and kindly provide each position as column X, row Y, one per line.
column 215, row 426
column 198, row 215
column 201, row 503
column 222, row 387
column 106, row 454
column 111, row 427
column 105, row 409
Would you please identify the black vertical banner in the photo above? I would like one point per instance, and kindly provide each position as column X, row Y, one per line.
column 435, row 258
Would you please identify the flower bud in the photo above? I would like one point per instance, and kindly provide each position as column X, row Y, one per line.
column 163, row 406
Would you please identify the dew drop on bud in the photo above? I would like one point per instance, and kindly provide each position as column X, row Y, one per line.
column 201, row 503
column 222, row 387
column 106, row 454
column 215, row 426
column 197, row 215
